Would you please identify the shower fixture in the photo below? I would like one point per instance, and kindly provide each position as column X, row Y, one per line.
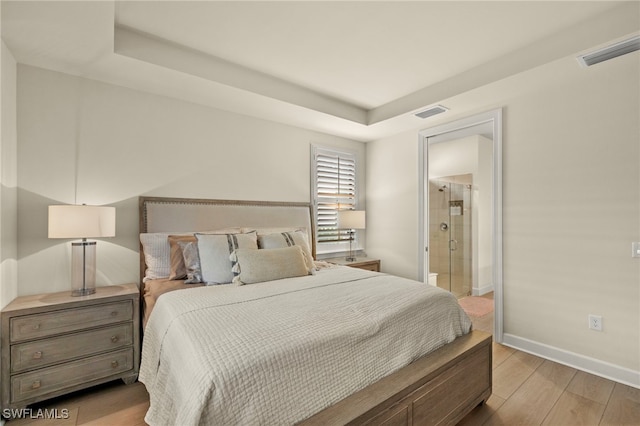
column 442, row 188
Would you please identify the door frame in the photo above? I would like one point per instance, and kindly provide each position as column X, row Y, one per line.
column 494, row 117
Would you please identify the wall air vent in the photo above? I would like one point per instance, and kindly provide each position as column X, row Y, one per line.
column 431, row 111
column 610, row 52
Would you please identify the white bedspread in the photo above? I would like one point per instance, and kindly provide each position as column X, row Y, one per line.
column 277, row 352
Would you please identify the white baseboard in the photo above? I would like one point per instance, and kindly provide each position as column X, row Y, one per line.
column 482, row 290
column 590, row 365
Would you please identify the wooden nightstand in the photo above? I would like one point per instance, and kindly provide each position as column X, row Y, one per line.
column 360, row 262
column 55, row 343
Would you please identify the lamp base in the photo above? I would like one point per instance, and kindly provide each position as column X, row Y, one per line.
column 83, row 268
column 83, row 291
column 350, row 257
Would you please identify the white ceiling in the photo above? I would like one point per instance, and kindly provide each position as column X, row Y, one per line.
column 353, row 69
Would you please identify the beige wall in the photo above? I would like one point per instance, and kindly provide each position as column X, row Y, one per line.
column 571, row 206
column 8, row 179
column 571, row 209
column 117, row 144
column 392, row 204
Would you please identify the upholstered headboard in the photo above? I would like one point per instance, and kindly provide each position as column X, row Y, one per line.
column 159, row 214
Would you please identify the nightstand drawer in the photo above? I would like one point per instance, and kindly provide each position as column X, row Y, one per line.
column 54, row 379
column 369, row 266
column 366, row 263
column 41, row 353
column 68, row 320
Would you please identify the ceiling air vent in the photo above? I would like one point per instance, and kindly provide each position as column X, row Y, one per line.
column 431, row 111
column 610, row 52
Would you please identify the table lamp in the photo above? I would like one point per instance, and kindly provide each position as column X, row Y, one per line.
column 74, row 221
column 351, row 220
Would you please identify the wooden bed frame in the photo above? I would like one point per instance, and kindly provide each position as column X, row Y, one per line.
column 439, row 388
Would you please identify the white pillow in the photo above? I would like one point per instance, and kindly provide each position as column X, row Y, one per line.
column 255, row 266
column 214, row 251
column 157, row 254
column 288, row 239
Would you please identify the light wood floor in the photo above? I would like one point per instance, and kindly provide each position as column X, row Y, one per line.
column 527, row 390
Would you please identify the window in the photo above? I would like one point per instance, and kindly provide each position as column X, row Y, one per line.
column 334, row 188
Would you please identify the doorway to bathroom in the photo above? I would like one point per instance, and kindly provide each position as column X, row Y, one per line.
column 451, row 233
column 460, row 182
column 471, row 210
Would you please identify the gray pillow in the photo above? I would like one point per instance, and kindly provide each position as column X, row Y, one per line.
column 191, row 262
column 215, row 251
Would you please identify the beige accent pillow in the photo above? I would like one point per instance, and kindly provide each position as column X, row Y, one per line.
column 255, row 266
column 178, row 270
column 288, row 239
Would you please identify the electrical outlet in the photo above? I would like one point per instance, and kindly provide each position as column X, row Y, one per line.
column 635, row 249
column 595, row 322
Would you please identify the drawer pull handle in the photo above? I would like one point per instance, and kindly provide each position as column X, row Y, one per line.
column 114, row 339
column 37, row 355
column 36, row 384
column 114, row 313
column 36, row 326
column 114, row 364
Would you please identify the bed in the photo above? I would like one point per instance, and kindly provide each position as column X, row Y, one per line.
column 308, row 345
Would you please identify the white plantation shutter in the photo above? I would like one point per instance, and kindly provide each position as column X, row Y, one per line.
column 334, row 189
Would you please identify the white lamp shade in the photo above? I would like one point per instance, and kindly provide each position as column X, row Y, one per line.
column 351, row 219
column 72, row 221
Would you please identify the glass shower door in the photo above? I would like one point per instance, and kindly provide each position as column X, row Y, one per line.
column 450, row 245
